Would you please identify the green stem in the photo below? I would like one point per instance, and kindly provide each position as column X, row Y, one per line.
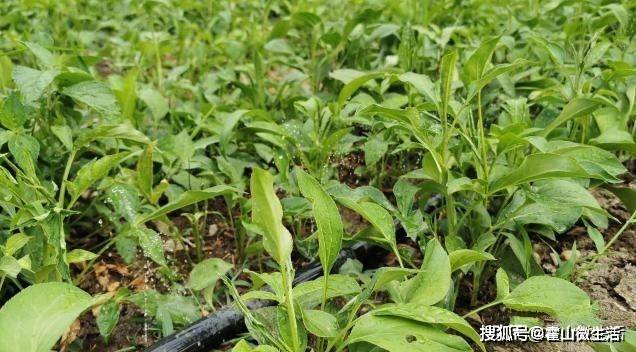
column 67, row 170
column 289, row 303
column 485, row 306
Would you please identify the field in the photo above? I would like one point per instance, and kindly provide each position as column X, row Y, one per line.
column 439, row 166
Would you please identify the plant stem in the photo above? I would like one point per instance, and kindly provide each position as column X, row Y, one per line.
column 67, row 170
column 289, row 303
column 485, row 306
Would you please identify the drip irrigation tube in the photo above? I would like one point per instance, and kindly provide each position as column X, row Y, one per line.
column 227, row 322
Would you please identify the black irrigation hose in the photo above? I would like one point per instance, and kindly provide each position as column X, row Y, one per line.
column 227, row 322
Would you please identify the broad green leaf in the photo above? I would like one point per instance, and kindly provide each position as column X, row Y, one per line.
column 423, row 84
column 125, row 200
column 34, row 319
column 309, row 294
column 396, row 334
column 598, row 163
column 151, row 243
column 503, row 284
column 575, row 108
column 536, row 167
column 627, row 195
column 433, row 281
column 107, row 318
column 157, row 104
column 95, row 95
column 45, row 57
column 185, row 199
column 9, row 266
column 15, row 243
column 596, row 236
column 379, row 218
column 207, row 272
column 491, row 74
column 559, row 204
column 123, row 131
column 327, row 216
column 320, row 323
column 91, row 172
column 430, row 315
column 476, row 64
column 461, row 257
column 446, row 76
column 14, row 114
column 25, row 150
column 243, row 346
column 32, row 83
column 351, row 87
column 64, row 134
column 145, row 173
column 557, row 297
column 374, row 149
column 267, row 213
column 79, row 255
column 125, row 90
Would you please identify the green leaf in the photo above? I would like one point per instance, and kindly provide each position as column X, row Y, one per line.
column 328, row 222
column 320, row 323
column 64, row 134
column 121, row 131
column 596, row 236
column 556, row 297
column 598, row 163
column 267, row 214
column 430, row 315
column 461, row 257
column 379, row 218
column 125, row 200
column 25, row 150
column 575, row 108
column 151, row 243
column 107, row 318
column 15, row 243
column 374, row 149
column 156, row 102
column 423, row 84
column 309, row 294
column 627, row 195
column 475, row 66
column 32, row 83
column 34, row 319
column 95, row 95
column 43, row 55
column 206, row 273
column 185, row 199
column 536, row 167
column 559, row 204
column 79, row 255
column 91, row 172
column 351, row 87
column 396, row 334
column 433, row 281
column 446, row 76
column 14, row 114
column 145, row 174
column 10, row 266
column 503, row 284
